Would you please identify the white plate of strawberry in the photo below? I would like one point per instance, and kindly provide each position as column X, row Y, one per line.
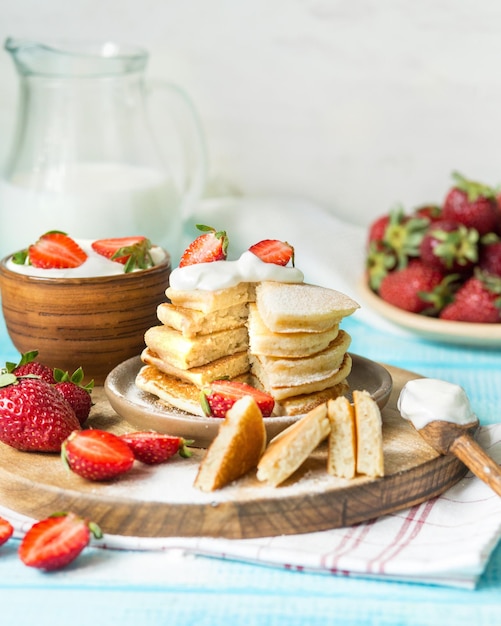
column 437, row 269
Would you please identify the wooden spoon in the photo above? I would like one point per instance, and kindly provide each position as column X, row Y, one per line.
column 449, row 438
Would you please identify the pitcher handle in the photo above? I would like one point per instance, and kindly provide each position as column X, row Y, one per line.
column 188, row 161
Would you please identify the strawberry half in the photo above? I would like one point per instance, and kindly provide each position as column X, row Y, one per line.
column 55, row 250
column 96, row 454
column 154, row 448
column 6, row 530
column 273, row 251
column 132, row 252
column 56, row 541
column 217, row 399
column 206, row 248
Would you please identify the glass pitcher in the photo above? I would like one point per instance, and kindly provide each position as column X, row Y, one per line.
column 87, row 157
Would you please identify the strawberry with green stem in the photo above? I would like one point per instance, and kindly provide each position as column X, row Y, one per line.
column 218, row 397
column 73, row 389
column 53, row 250
column 418, row 288
column 478, row 300
column 34, row 416
column 450, row 246
column 29, row 366
column 132, row 252
column 211, row 246
column 473, row 204
column 55, row 542
column 154, row 448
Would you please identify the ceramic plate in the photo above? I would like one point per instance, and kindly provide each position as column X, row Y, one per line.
column 465, row 333
column 144, row 411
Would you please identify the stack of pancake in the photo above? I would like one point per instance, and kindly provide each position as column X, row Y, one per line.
column 281, row 337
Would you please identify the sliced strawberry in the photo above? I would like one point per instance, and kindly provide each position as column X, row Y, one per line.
column 154, row 448
column 133, row 252
column 211, row 246
column 273, row 251
column 217, row 399
column 96, row 454
column 56, row 541
column 55, row 250
column 6, row 530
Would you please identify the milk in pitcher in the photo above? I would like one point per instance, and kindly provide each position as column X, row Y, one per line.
column 90, row 200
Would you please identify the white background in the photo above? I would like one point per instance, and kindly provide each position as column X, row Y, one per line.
column 356, row 105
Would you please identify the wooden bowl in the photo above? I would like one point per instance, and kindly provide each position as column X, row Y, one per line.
column 95, row 323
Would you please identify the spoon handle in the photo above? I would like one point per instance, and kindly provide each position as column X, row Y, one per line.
column 477, row 460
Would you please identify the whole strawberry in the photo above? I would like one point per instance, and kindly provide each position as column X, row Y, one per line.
column 490, row 258
column 472, row 204
column 449, row 246
column 76, row 393
column 96, row 454
column 56, row 541
column 430, row 212
column 478, row 300
column 33, row 415
column 28, row 366
column 416, row 288
column 153, row 448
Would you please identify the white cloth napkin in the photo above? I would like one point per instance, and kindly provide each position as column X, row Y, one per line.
column 445, row 541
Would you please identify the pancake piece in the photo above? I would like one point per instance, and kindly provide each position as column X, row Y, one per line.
column 281, row 393
column 191, row 322
column 342, row 449
column 237, row 447
column 263, row 341
column 184, row 352
column 225, row 367
column 370, row 460
column 290, row 449
column 300, row 307
column 299, row 405
column 174, row 392
column 288, row 372
column 209, row 301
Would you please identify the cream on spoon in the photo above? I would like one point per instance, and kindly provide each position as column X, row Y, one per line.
column 441, row 413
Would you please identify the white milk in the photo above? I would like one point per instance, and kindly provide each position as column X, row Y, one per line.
column 91, row 200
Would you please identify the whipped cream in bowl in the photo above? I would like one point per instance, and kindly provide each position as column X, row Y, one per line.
column 95, row 266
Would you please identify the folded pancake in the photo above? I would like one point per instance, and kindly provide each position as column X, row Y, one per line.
column 263, row 341
column 186, row 352
column 191, row 322
column 300, row 307
column 225, row 367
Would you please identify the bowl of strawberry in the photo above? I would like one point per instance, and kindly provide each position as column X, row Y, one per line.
column 83, row 302
column 437, row 269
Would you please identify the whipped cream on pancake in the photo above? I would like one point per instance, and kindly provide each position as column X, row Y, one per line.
column 223, row 274
column 94, row 266
column 425, row 400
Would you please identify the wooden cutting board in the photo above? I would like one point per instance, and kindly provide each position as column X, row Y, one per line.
column 160, row 501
